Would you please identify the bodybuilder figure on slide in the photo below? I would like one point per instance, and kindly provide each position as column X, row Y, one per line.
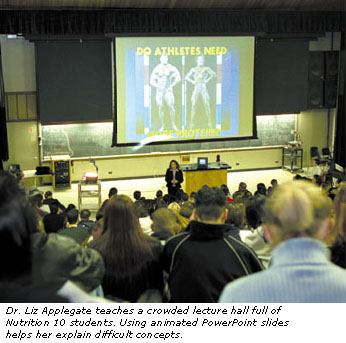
column 199, row 76
column 164, row 77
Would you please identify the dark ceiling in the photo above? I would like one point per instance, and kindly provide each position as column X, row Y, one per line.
column 301, row 5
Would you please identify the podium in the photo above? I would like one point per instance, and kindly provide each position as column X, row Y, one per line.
column 214, row 176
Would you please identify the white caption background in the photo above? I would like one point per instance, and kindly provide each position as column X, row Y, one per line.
column 171, row 322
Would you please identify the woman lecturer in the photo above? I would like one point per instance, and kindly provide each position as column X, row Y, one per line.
column 174, row 178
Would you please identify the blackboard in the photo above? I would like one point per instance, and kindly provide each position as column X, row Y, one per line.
column 92, row 140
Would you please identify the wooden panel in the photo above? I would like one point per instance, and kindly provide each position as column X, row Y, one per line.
column 32, row 106
column 194, row 180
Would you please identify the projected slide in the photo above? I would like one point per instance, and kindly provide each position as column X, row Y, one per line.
column 184, row 88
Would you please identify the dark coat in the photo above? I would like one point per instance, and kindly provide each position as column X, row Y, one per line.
column 202, row 260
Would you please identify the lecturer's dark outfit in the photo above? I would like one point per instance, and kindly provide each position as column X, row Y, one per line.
column 174, row 175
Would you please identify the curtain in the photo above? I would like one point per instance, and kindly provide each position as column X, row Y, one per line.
column 339, row 144
column 3, row 128
column 180, row 21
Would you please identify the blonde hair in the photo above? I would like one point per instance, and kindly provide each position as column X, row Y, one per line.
column 340, row 214
column 297, row 209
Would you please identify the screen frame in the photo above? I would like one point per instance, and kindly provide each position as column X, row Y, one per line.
column 181, row 141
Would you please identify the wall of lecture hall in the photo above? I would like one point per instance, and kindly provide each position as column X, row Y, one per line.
column 18, row 58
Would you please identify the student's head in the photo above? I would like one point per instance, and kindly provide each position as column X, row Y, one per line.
column 297, row 209
column 141, row 209
column 48, row 195
column 186, row 209
column 85, row 214
column 120, row 217
column 72, row 216
column 236, row 215
column 17, row 222
column 210, row 205
column 173, row 164
column 137, row 195
column 164, row 220
column 255, row 211
column 112, row 191
column 242, row 186
column 261, row 188
column 70, row 207
column 274, row 182
column 36, row 200
column 159, row 193
column 54, row 207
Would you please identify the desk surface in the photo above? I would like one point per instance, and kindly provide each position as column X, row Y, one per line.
column 211, row 166
column 32, row 173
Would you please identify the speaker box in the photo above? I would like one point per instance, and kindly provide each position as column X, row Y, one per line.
column 330, row 93
column 332, row 64
column 315, row 94
column 316, row 65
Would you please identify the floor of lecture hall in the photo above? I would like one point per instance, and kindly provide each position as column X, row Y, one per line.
column 149, row 186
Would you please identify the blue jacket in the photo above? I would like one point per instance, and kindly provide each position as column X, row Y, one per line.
column 300, row 271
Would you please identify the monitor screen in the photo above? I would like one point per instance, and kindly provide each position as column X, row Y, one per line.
column 202, row 163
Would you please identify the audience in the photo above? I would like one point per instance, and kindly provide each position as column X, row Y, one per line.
column 204, row 258
column 296, row 220
column 125, row 245
column 132, row 258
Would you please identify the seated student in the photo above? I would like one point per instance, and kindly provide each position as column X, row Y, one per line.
column 38, row 268
column 242, row 194
column 185, row 214
column 165, row 224
column 79, row 234
column 204, row 258
column 235, row 219
column 261, row 190
column 137, row 195
column 255, row 239
column 132, row 258
column 54, row 220
column 296, row 220
column 112, row 192
column 85, row 221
